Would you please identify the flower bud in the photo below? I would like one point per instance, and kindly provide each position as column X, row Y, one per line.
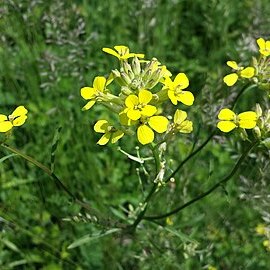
column 125, row 78
column 258, row 110
column 257, row 132
column 136, row 66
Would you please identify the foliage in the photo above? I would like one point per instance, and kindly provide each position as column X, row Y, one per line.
column 49, row 50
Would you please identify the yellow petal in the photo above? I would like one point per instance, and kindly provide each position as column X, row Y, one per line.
column 261, row 43
column 158, row 123
column 89, row 105
column 139, row 55
column 186, row 98
column 248, row 72
column 247, row 119
column 148, row 110
column 248, row 124
column 186, row 127
column 181, row 80
column 145, row 134
column 122, row 50
column 249, row 115
column 101, row 126
column 88, row 92
column 179, row 116
column 232, row 64
column 20, row 120
column 172, row 97
column 124, row 120
column 145, row 97
column 5, row 126
column 117, row 136
column 99, row 83
column 133, row 114
column 131, row 101
column 111, row 51
column 19, row 111
column 226, row 126
column 127, row 55
column 104, row 139
column 226, row 114
column 230, row 79
column 3, row 118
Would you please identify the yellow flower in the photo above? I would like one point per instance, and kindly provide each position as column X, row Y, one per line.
column 145, row 133
column 266, row 244
column 91, row 93
column 210, row 267
column 264, row 46
column 261, row 229
column 176, row 87
column 180, row 122
column 110, row 132
column 138, row 106
column 122, row 52
column 17, row 118
column 229, row 120
column 169, row 221
column 232, row 78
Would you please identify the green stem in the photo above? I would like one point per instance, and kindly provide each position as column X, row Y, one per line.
column 244, row 88
column 100, row 220
column 155, row 186
column 209, row 191
column 190, row 156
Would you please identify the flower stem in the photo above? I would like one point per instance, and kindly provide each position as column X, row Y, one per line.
column 95, row 214
column 209, row 191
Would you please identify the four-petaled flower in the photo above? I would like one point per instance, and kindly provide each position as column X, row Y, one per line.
column 91, row 93
column 145, row 133
column 232, row 78
column 17, row 118
column 264, row 46
column 122, row 52
column 176, row 89
column 180, row 122
column 230, row 120
column 138, row 106
column 110, row 132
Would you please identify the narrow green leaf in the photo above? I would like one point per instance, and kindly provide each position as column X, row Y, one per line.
column 7, row 157
column 180, row 235
column 55, row 142
column 88, row 238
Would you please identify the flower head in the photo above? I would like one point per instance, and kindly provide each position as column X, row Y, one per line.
column 232, row 78
column 110, row 132
column 264, row 46
column 180, row 123
column 138, row 106
column 261, row 229
column 145, row 131
column 92, row 93
column 17, row 118
column 122, row 52
column 176, row 89
column 230, row 121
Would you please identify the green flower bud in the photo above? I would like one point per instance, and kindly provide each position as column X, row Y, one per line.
column 257, row 132
column 136, row 66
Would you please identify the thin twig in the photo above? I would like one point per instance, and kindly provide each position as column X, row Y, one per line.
column 209, row 191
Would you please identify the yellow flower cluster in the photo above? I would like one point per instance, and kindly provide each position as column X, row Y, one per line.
column 258, row 72
column 263, row 229
column 17, row 118
column 143, row 86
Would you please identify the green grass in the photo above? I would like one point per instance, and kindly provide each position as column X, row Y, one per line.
column 49, row 50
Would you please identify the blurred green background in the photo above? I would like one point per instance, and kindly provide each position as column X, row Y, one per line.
column 49, row 50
